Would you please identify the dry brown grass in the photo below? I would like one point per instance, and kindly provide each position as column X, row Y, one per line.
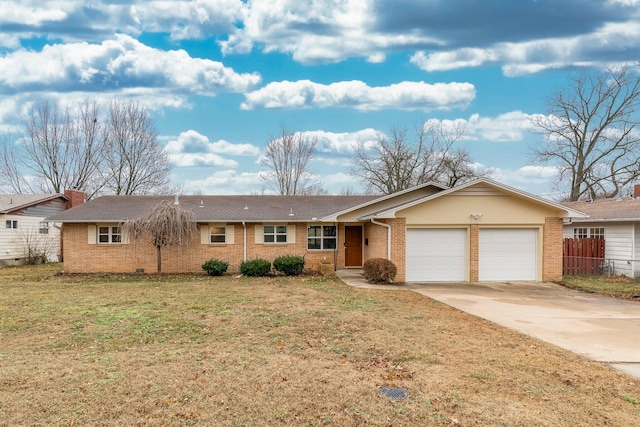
column 196, row 350
column 613, row 286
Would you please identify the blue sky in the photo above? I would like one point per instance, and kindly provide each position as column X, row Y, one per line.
column 222, row 76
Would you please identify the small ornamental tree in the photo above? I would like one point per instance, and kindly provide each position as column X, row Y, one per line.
column 164, row 224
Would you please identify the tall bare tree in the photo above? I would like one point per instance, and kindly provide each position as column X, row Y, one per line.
column 60, row 148
column 287, row 158
column 591, row 133
column 11, row 178
column 399, row 161
column 136, row 163
column 167, row 223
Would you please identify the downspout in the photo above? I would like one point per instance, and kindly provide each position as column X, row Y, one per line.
column 373, row 221
column 244, row 243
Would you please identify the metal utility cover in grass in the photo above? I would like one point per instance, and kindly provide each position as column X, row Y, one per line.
column 395, row 393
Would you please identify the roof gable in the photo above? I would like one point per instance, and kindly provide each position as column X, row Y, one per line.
column 15, row 202
column 385, row 202
column 480, row 187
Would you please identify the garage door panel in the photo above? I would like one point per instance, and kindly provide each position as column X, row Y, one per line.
column 507, row 254
column 436, row 255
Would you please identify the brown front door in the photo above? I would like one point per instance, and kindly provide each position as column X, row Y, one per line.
column 353, row 246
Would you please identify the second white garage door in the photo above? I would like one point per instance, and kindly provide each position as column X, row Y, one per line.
column 507, row 254
column 436, row 255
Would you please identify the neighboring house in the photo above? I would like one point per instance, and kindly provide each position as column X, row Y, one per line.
column 24, row 226
column 481, row 230
column 617, row 221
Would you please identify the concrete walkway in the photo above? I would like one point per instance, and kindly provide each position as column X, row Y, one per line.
column 601, row 328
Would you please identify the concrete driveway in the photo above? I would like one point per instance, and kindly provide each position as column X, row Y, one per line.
column 600, row 328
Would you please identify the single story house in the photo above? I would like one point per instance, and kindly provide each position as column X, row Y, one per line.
column 617, row 221
column 23, row 224
column 480, row 230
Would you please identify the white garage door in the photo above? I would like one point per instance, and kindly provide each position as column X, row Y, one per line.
column 436, row 255
column 507, row 254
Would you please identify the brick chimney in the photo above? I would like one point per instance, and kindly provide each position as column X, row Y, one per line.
column 74, row 197
column 636, row 191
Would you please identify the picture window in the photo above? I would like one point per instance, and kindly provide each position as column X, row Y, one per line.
column 321, row 237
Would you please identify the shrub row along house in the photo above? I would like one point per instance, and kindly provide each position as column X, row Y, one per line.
column 481, row 230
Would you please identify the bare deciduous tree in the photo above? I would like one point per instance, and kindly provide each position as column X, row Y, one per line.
column 591, row 134
column 58, row 149
column 164, row 224
column 287, row 158
column 11, row 178
column 136, row 164
column 61, row 149
column 397, row 161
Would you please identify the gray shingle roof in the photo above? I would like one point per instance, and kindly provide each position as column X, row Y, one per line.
column 214, row 208
column 613, row 209
column 13, row 202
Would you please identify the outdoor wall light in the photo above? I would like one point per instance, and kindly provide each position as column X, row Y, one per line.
column 476, row 216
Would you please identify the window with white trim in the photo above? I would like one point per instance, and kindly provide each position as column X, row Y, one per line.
column 274, row 234
column 586, row 232
column 43, row 227
column 321, row 237
column 580, row 232
column 596, row 233
column 109, row 234
column 217, row 234
column 11, row 223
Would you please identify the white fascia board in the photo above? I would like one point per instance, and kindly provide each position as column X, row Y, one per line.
column 570, row 213
column 334, row 217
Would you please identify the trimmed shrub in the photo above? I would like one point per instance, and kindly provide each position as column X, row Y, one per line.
column 256, row 267
column 379, row 270
column 289, row 265
column 215, row 267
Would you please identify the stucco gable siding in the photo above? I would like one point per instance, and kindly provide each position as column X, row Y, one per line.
column 496, row 209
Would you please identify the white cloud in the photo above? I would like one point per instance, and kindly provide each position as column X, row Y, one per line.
column 226, row 182
column 118, row 64
column 318, row 31
column 193, row 149
column 201, row 159
column 358, row 95
column 76, row 20
column 533, row 179
column 537, row 55
column 188, row 19
column 343, row 142
column 506, row 127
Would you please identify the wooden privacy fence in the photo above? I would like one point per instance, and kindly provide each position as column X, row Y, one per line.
column 582, row 256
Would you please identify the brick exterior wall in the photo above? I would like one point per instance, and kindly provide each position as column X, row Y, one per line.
column 377, row 241
column 80, row 256
column 474, row 260
column 552, row 250
column 398, row 246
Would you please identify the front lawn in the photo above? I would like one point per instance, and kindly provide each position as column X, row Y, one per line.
column 310, row 351
column 613, row 286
